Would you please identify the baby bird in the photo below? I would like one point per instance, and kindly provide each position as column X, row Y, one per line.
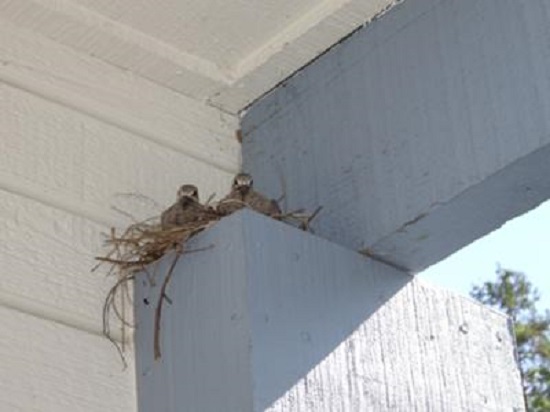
column 243, row 195
column 186, row 209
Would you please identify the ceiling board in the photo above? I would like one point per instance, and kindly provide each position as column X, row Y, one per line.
column 225, row 52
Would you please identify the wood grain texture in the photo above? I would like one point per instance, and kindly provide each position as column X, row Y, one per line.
column 418, row 134
column 47, row 367
column 427, row 350
column 272, row 318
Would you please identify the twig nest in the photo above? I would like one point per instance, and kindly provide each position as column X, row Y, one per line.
column 143, row 243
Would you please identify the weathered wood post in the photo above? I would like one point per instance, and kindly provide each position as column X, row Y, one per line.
column 272, row 318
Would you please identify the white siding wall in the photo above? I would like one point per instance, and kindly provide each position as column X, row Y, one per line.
column 74, row 132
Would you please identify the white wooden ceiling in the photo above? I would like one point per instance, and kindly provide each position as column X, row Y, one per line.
column 226, row 52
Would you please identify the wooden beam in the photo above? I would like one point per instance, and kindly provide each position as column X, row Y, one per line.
column 418, row 134
column 272, row 318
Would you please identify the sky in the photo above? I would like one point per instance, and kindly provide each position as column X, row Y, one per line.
column 522, row 244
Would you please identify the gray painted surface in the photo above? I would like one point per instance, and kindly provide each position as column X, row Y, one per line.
column 418, row 134
column 272, row 318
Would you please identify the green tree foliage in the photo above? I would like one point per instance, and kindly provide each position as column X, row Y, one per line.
column 513, row 294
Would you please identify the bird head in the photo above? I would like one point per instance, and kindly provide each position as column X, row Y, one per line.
column 188, row 192
column 242, row 182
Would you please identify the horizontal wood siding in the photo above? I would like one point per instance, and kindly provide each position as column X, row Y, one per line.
column 76, row 134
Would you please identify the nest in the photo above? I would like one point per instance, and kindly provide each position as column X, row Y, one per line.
column 143, row 243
